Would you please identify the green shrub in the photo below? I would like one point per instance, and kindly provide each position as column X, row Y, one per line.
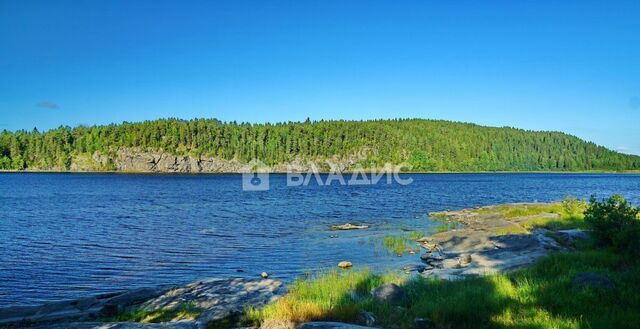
column 573, row 207
column 614, row 222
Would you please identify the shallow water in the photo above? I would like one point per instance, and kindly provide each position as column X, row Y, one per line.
column 72, row 235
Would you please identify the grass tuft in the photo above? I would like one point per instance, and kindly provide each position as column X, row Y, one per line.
column 184, row 311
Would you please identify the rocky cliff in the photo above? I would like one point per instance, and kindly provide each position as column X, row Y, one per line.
column 134, row 160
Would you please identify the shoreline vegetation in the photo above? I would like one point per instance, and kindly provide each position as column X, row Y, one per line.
column 212, row 146
column 569, row 264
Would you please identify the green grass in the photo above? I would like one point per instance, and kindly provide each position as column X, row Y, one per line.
column 538, row 297
column 568, row 208
column 395, row 244
column 444, row 227
column 532, row 210
column 511, row 230
column 402, row 243
column 184, row 311
column 325, row 296
column 524, row 210
column 554, row 224
column 550, row 223
column 569, row 215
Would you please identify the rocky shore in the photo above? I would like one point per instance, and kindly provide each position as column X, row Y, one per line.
column 194, row 305
column 485, row 241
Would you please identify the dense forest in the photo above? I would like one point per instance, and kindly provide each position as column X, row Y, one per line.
column 428, row 145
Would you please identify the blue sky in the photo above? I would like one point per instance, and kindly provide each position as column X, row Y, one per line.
column 572, row 66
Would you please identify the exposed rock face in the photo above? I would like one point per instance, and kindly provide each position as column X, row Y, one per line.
column 136, row 160
column 215, row 298
column 81, row 309
column 477, row 248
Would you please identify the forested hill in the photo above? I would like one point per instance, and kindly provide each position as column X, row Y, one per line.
column 428, row 145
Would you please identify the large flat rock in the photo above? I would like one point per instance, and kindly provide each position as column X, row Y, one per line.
column 478, row 249
column 120, row 325
column 214, row 298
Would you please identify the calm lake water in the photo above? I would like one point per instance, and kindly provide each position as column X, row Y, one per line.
column 64, row 236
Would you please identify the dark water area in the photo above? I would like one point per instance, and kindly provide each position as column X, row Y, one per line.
column 64, row 236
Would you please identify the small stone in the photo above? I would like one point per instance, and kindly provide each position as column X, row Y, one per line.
column 464, row 259
column 390, row 292
column 423, row 323
column 264, row 275
column 367, row 318
column 592, row 280
column 345, row 264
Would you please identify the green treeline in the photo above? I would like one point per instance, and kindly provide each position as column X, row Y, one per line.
column 428, row 145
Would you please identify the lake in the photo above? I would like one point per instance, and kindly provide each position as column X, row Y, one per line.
column 64, row 236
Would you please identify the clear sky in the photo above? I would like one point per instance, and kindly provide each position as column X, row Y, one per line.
column 572, row 66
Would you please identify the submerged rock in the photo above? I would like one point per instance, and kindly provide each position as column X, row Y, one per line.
column 414, row 268
column 423, row 323
column 348, row 226
column 390, row 293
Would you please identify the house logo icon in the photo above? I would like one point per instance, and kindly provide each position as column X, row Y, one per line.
column 255, row 176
